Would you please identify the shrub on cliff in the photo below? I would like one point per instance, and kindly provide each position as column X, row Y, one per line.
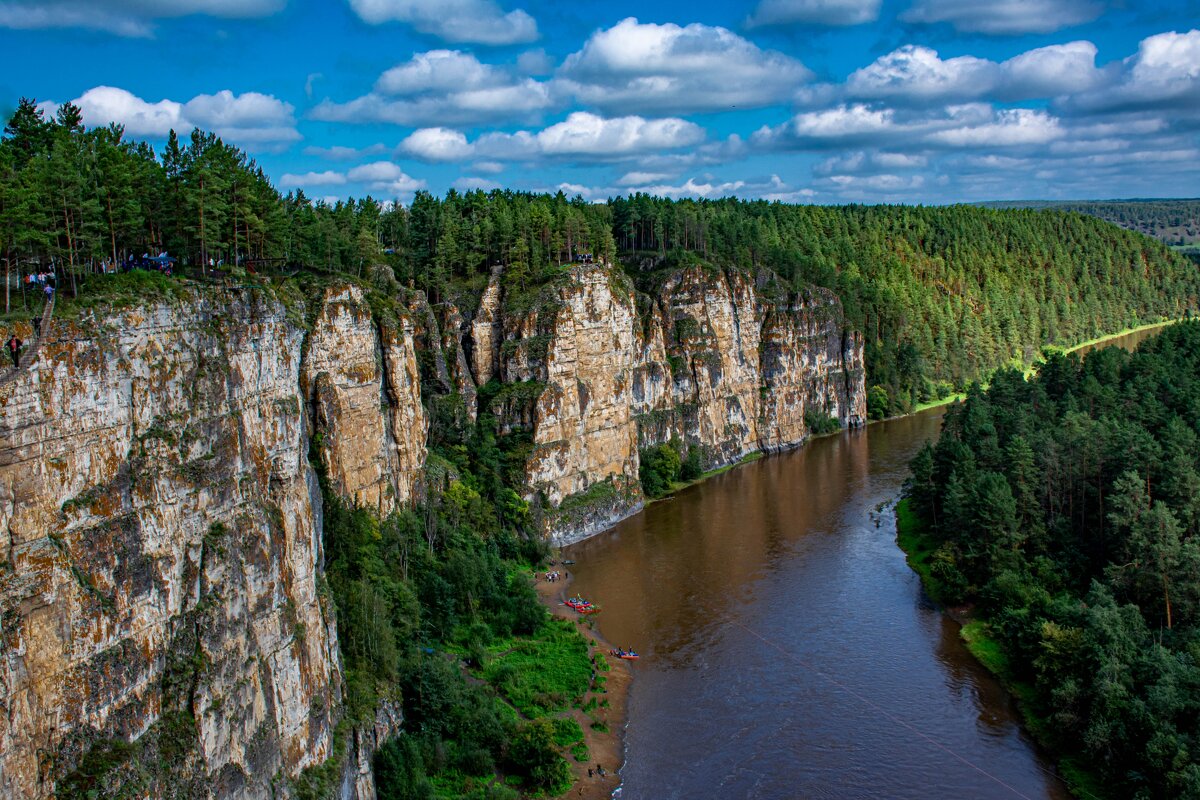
column 660, row 467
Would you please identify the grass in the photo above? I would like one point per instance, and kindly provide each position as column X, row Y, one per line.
column 918, row 549
column 543, row 674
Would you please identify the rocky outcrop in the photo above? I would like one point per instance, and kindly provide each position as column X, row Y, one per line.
column 160, row 543
column 160, row 535
column 709, row 359
column 363, row 382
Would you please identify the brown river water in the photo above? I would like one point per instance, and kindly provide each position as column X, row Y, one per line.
column 787, row 649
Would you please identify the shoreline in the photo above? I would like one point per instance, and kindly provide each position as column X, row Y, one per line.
column 606, row 748
column 945, row 401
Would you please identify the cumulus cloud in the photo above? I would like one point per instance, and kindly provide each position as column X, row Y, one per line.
column 813, row 12
column 442, row 87
column 667, row 69
column 918, row 74
column 1004, row 17
column 327, row 178
column 1164, row 74
column 592, row 137
column 122, row 17
column 437, row 144
column 966, row 125
column 248, row 118
column 387, row 177
column 477, row 21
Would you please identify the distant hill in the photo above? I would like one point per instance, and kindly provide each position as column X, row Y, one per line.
column 1173, row 222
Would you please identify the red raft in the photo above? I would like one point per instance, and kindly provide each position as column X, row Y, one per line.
column 582, row 606
column 628, row 655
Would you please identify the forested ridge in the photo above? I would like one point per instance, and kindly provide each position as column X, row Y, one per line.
column 944, row 295
column 1067, row 507
column 1174, row 222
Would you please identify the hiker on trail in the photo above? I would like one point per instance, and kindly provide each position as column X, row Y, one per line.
column 14, row 349
column 49, row 293
column 37, row 327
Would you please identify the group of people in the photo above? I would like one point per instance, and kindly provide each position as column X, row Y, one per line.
column 553, row 577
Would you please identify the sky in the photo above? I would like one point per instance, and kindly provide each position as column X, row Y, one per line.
column 807, row 101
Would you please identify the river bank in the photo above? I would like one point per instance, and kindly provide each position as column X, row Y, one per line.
column 605, row 742
column 976, row 634
column 1090, row 343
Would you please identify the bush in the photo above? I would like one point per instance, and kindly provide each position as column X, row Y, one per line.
column 533, row 755
column 878, row 403
column 693, row 465
column 660, row 467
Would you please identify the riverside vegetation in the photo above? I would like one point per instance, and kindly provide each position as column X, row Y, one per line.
column 1066, row 509
column 942, row 296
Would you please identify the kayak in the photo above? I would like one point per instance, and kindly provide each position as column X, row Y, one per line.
column 628, row 656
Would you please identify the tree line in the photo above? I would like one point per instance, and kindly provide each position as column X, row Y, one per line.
column 1067, row 507
column 942, row 295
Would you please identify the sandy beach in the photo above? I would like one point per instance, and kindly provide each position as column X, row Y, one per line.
column 606, row 749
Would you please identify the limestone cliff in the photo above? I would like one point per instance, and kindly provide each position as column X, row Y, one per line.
column 162, row 542
column 594, row 371
column 161, row 624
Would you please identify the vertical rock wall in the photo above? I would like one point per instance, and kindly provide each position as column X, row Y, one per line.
column 708, row 360
column 160, row 542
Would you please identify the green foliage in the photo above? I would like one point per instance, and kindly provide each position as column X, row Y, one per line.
column 533, row 754
column 545, row 673
column 1065, row 507
column 820, row 423
column 659, row 468
column 879, row 405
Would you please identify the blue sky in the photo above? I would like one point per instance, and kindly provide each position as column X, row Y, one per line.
column 924, row 101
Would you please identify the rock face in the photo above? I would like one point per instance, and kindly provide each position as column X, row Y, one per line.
column 160, row 534
column 162, row 541
column 365, row 388
column 708, row 359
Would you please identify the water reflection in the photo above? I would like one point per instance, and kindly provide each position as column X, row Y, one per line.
column 788, row 649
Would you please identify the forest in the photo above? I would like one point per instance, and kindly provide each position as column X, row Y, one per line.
column 1065, row 509
column 1173, row 222
column 943, row 295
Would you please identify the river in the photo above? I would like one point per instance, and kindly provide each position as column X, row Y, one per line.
column 787, row 649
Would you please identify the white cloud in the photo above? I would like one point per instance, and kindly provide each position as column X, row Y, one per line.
column 664, row 69
column 593, row 137
column 478, row 21
column 245, row 118
column 1009, row 127
column 442, row 87
column 122, row 17
column 437, row 144
column 861, row 162
column 642, row 178
column 819, row 12
column 1051, row 71
column 918, row 73
column 968, row 125
column 386, row 177
column 339, row 152
column 1163, row 75
column 327, row 178
column 1004, row 17
column 470, row 184
column 488, row 167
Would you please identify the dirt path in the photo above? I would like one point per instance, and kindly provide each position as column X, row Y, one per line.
column 606, row 749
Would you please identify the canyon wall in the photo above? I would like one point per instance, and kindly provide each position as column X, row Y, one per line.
column 161, row 542
column 594, row 372
column 161, row 621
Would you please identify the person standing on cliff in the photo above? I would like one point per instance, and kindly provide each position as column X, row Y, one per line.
column 14, row 349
